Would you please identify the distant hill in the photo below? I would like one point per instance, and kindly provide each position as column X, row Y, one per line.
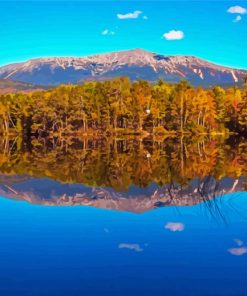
column 11, row 86
column 136, row 64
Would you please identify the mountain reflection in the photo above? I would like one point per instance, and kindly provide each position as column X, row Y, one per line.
column 129, row 174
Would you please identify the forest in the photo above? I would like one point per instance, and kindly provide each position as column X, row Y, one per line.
column 121, row 106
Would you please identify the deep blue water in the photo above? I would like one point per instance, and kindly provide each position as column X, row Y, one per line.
column 87, row 251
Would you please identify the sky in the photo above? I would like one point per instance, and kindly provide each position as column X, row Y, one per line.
column 213, row 30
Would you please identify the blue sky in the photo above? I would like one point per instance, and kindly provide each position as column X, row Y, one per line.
column 37, row 29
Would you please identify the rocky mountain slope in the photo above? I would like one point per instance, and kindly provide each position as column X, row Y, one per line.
column 136, row 64
column 48, row 192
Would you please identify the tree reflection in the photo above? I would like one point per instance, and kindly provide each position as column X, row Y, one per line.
column 122, row 162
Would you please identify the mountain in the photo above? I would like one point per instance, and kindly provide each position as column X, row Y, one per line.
column 11, row 86
column 49, row 192
column 136, row 64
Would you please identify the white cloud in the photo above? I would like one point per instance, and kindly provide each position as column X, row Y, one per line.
column 237, row 9
column 130, row 15
column 108, row 32
column 134, row 247
column 238, row 251
column 175, row 226
column 105, row 32
column 174, row 35
column 237, row 19
column 145, row 17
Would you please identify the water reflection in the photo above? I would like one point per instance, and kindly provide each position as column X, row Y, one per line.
column 134, row 247
column 175, row 226
column 128, row 174
column 194, row 243
column 239, row 250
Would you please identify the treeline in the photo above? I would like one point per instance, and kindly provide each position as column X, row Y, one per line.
column 119, row 105
column 120, row 163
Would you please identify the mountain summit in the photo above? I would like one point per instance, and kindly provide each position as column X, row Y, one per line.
column 136, row 64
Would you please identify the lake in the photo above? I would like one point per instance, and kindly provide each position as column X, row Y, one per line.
column 123, row 216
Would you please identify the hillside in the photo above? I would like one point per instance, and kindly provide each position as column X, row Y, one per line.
column 11, row 86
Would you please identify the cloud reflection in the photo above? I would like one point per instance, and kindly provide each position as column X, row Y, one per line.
column 238, row 251
column 241, row 250
column 175, row 226
column 238, row 242
column 134, row 247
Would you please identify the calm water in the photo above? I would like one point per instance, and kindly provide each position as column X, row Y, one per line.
column 123, row 217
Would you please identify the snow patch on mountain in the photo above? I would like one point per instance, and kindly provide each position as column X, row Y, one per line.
column 234, row 76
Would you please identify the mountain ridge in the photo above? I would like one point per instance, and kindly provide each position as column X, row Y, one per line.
column 136, row 64
column 31, row 189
